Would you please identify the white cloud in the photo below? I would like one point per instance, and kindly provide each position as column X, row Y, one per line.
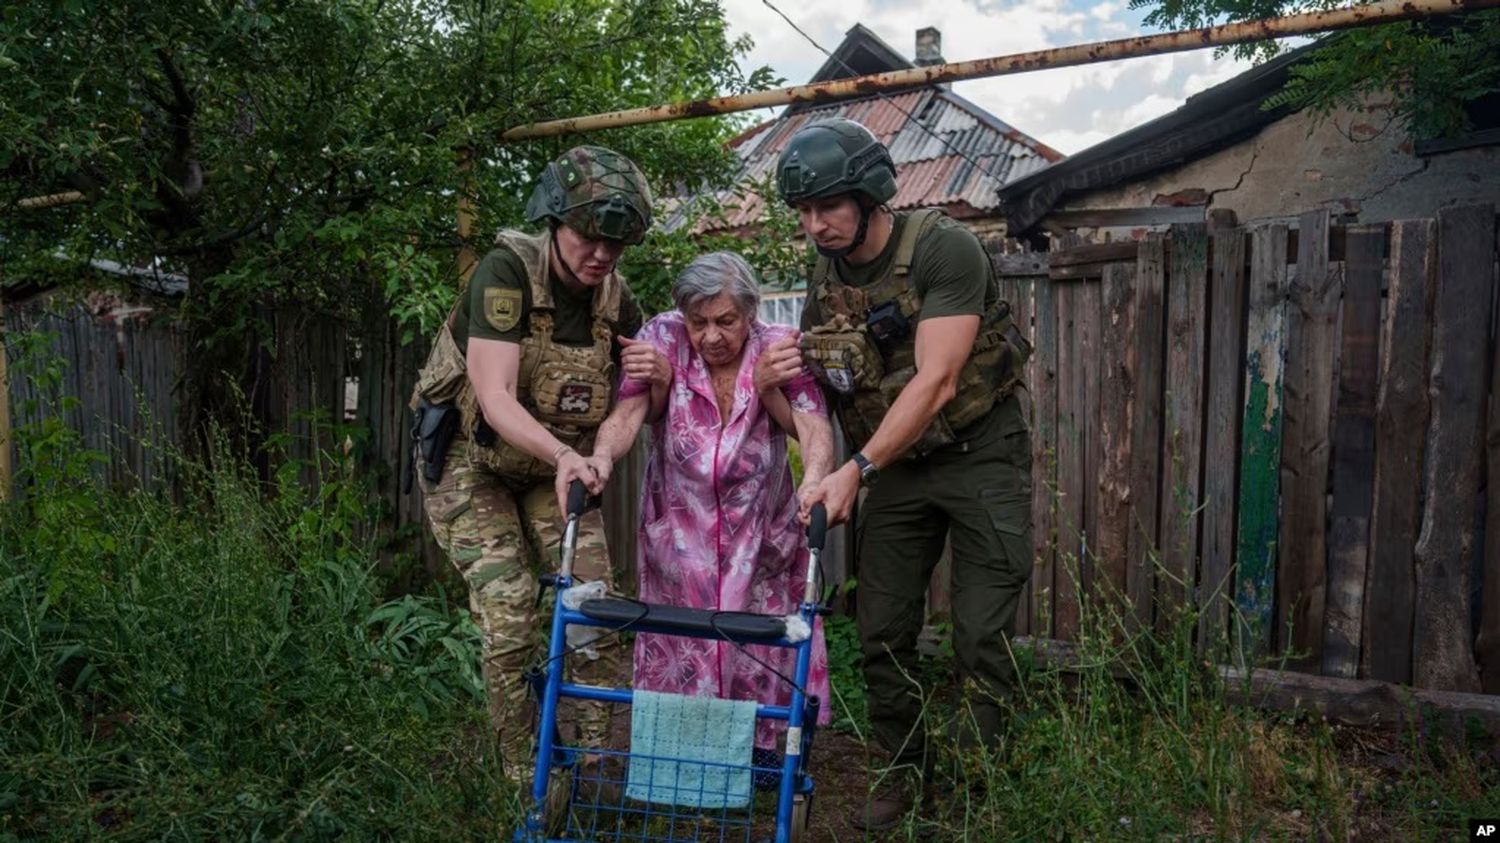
column 1066, row 108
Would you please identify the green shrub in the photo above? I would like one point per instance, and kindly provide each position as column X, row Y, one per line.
column 225, row 666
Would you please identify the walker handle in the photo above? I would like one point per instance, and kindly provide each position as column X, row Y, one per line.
column 578, row 499
column 817, row 529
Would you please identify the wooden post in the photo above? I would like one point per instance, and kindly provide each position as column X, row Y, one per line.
column 1312, row 342
column 1182, row 442
column 1354, row 450
column 1221, row 441
column 1070, row 465
column 1141, row 546
column 1260, row 437
column 1443, row 637
column 1090, row 301
column 467, row 257
column 1046, row 535
column 1401, row 415
column 1487, row 645
column 1119, row 367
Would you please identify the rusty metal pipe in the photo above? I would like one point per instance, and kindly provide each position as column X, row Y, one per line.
column 1099, row 51
column 1092, row 53
column 51, row 200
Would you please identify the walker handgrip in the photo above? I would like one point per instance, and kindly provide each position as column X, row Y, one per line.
column 817, row 529
column 578, row 499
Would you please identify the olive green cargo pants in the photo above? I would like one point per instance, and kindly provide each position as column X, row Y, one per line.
column 978, row 494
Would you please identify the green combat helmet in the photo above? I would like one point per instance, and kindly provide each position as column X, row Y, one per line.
column 833, row 157
column 597, row 192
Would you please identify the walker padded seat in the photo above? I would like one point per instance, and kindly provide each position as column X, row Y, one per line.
column 707, row 623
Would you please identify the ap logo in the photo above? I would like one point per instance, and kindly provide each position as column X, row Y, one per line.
column 1486, row 829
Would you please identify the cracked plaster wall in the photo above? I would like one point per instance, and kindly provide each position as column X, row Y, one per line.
column 1345, row 162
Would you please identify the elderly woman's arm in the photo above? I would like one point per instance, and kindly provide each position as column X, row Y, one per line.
column 617, row 434
column 815, row 434
column 641, row 360
column 776, row 403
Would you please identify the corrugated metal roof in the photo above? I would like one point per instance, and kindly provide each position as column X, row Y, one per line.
column 947, row 151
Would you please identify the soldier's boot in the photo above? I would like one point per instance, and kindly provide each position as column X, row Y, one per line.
column 892, row 800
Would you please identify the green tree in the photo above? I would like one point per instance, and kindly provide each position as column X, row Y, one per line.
column 305, row 152
column 1435, row 72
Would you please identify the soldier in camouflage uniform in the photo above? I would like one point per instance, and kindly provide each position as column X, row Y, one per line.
column 526, row 359
column 905, row 328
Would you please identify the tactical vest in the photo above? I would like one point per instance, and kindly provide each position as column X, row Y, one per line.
column 565, row 388
column 865, row 350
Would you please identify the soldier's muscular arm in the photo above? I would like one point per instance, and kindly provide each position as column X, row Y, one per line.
column 494, row 366
column 943, row 345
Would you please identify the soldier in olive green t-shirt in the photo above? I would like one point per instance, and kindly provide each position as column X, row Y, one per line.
column 501, row 272
column 940, row 442
column 528, row 398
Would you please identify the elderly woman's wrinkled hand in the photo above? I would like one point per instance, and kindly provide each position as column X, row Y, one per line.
column 641, row 361
column 602, row 467
column 779, row 364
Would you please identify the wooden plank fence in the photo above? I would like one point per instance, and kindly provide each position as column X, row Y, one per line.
column 1294, row 425
column 1240, row 416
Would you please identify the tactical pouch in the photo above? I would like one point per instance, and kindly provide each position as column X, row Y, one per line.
column 842, row 356
column 888, row 326
column 432, row 432
column 569, row 393
column 444, row 375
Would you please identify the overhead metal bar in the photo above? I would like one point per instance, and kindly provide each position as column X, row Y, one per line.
column 1307, row 23
column 1099, row 51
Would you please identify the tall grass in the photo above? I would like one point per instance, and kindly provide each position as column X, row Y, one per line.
column 1136, row 737
column 225, row 666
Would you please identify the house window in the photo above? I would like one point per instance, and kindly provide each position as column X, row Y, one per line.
column 785, row 309
column 1484, row 128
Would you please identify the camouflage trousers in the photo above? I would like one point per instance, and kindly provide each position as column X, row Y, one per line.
column 500, row 539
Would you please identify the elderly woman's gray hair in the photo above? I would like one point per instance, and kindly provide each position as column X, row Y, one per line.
column 711, row 274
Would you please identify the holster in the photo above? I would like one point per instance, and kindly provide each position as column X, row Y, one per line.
column 432, row 430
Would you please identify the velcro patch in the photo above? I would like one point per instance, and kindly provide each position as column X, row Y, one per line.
column 574, row 398
column 502, row 307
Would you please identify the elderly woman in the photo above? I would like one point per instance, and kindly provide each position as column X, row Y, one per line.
column 719, row 516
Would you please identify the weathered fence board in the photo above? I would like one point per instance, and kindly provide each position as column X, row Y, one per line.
column 1260, row 440
column 1401, row 417
column 1312, row 342
column 1018, row 294
column 1089, row 317
column 1442, row 640
column 1118, row 366
column 1046, row 536
column 1487, row 643
column 1226, row 348
column 1070, row 462
column 1145, row 429
column 1353, row 450
column 1182, row 436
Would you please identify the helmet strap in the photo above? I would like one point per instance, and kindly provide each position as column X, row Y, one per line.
column 859, row 233
column 557, row 256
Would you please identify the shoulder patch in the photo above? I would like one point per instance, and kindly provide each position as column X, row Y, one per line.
column 502, row 307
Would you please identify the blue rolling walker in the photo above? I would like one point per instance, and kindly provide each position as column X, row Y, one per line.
column 597, row 807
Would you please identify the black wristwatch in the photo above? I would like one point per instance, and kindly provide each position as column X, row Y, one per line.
column 868, row 473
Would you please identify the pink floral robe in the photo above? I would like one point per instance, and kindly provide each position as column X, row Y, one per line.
column 719, row 527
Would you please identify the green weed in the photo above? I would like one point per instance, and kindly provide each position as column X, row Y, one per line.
column 224, row 665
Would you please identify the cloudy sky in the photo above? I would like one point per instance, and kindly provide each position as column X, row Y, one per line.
column 1069, row 108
